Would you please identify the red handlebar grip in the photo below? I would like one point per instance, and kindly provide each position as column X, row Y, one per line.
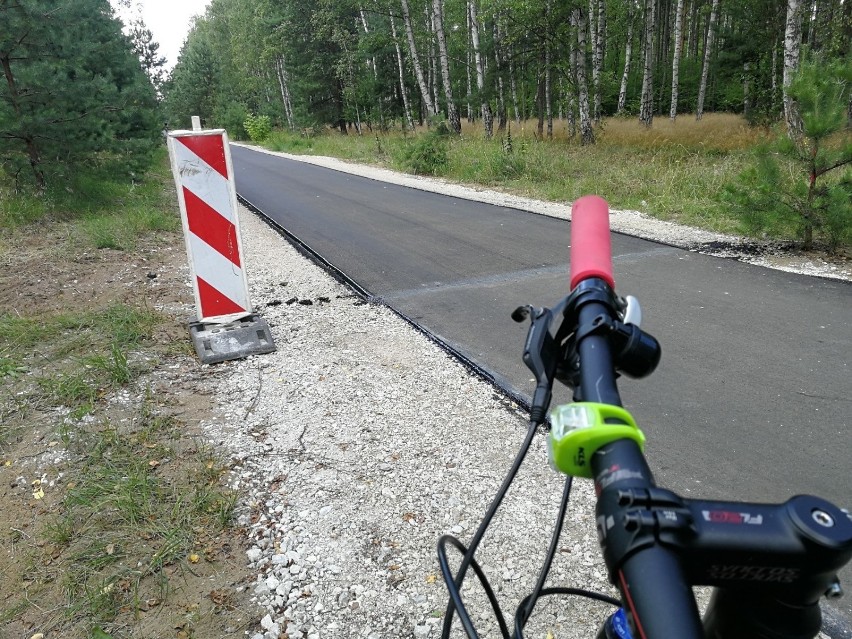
column 591, row 248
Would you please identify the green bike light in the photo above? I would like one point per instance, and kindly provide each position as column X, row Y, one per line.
column 578, row 430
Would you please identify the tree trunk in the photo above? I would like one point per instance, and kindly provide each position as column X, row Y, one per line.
column 548, row 97
column 708, row 54
column 694, row 19
column 372, row 61
column 792, row 42
column 468, row 68
column 628, row 51
column 434, row 73
column 452, row 111
column 514, row 86
column 401, row 68
column 501, row 92
column 774, row 72
column 587, row 134
column 813, row 19
column 676, row 60
column 284, row 83
column 646, row 107
column 415, row 61
column 600, row 49
column 746, row 89
column 487, row 115
column 593, row 44
column 26, row 137
column 572, row 101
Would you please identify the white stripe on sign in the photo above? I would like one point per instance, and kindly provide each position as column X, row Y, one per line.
column 218, row 271
column 204, row 181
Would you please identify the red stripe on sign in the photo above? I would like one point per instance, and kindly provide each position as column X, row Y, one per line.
column 205, row 222
column 214, row 303
column 210, row 148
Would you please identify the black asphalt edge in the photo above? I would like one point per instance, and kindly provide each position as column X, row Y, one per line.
column 368, row 297
column 835, row 626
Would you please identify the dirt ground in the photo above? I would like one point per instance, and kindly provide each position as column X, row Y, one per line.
column 200, row 595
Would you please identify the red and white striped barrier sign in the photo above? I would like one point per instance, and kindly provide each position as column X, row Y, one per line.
column 204, row 175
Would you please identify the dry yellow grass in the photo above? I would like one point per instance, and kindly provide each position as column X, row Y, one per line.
column 714, row 132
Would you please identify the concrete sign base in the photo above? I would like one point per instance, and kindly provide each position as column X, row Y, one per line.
column 246, row 336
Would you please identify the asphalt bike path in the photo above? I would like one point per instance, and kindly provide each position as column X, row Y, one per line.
column 752, row 399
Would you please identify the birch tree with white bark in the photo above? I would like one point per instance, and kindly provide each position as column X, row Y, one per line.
column 425, row 95
column 587, row 133
column 485, row 106
column 401, row 67
column 792, row 46
column 628, row 51
column 444, row 63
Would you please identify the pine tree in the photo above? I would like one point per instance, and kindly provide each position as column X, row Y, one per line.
column 147, row 50
column 71, row 92
column 798, row 182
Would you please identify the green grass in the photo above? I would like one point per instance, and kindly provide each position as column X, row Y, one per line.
column 673, row 171
column 124, row 502
column 81, row 356
column 118, row 324
column 99, row 209
column 138, row 495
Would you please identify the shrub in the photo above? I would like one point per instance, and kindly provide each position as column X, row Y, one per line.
column 427, row 154
column 258, row 127
column 507, row 167
column 231, row 116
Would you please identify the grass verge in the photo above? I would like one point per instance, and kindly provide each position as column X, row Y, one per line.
column 96, row 209
column 114, row 520
column 674, row 171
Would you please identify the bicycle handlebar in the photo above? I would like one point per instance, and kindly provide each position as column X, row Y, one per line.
column 770, row 563
column 651, row 541
column 653, row 573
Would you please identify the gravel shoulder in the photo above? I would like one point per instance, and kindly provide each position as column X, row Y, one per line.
column 360, row 443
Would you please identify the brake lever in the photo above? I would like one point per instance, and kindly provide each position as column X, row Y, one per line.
column 540, row 356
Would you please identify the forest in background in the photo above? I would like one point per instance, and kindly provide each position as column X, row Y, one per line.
column 383, row 63
column 84, row 107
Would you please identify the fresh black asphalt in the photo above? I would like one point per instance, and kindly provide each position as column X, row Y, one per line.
column 752, row 398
